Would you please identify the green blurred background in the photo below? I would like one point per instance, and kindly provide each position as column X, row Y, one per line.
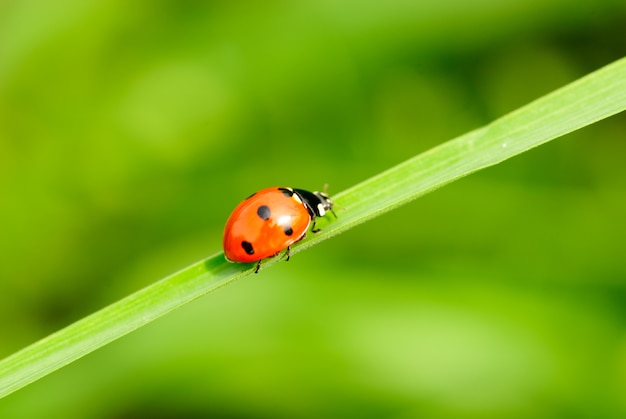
column 130, row 130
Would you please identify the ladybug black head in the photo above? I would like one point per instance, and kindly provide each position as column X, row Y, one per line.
column 317, row 203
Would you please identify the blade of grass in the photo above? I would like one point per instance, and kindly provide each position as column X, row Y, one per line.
column 587, row 100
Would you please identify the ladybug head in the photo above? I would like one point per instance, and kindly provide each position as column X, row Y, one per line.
column 318, row 203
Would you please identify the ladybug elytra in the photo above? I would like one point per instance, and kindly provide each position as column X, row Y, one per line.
column 270, row 221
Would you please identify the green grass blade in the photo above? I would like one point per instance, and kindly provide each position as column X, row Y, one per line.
column 592, row 98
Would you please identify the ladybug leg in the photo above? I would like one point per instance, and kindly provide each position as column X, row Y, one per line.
column 258, row 266
column 313, row 229
column 287, row 254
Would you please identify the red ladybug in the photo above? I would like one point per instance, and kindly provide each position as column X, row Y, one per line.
column 270, row 221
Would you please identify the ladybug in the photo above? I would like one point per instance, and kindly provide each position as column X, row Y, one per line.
column 271, row 220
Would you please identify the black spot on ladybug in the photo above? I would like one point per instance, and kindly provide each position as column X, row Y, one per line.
column 288, row 230
column 247, row 246
column 287, row 192
column 264, row 212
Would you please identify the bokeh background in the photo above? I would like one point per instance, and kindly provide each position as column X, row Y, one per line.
column 129, row 131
